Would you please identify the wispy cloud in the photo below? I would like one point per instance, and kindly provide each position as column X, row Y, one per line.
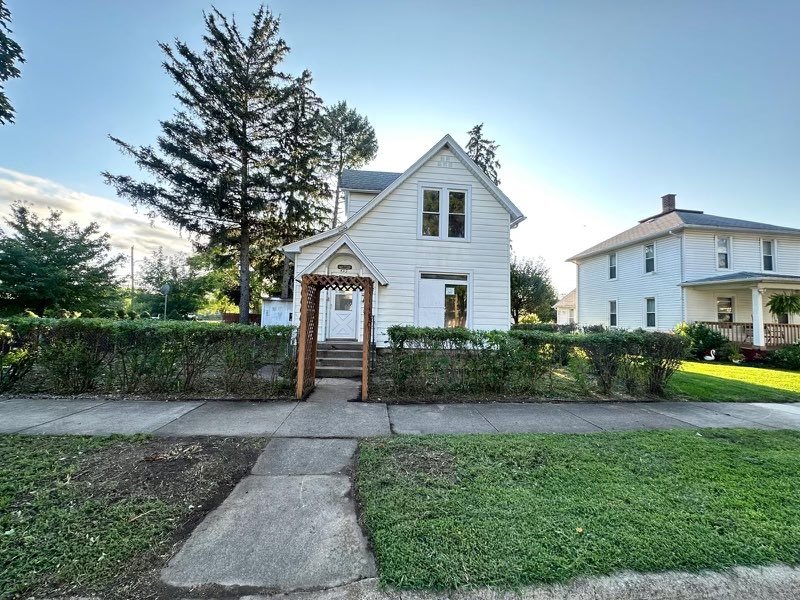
column 126, row 226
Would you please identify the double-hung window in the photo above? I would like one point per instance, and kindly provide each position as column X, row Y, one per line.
column 725, row 309
column 650, row 258
column 768, row 255
column 612, row 313
column 444, row 212
column 650, row 312
column 612, row 266
column 723, row 252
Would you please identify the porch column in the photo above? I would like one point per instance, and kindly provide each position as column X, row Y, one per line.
column 759, row 339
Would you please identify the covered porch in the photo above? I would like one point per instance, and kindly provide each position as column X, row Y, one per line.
column 736, row 306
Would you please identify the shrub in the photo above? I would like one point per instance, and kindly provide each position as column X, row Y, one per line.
column 787, row 357
column 702, row 339
column 78, row 355
column 605, row 352
column 659, row 355
column 17, row 356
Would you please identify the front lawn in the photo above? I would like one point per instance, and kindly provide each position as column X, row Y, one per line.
column 719, row 382
column 460, row 511
column 100, row 516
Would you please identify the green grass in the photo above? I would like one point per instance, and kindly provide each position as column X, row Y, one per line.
column 55, row 531
column 459, row 511
column 717, row 382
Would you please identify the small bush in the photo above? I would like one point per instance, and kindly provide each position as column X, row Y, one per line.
column 702, row 339
column 787, row 357
column 17, row 357
column 659, row 356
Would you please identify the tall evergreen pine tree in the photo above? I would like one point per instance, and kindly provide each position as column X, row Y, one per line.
column 10, row 55
column 216, row 168
column 484, row 152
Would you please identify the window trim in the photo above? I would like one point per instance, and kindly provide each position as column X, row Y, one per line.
column 654, row 313
column 774, row 243
column 717, row 252
column 439, row 271
column 644, row 258
column 444, row 189
column 615, row 313
column 615, row 266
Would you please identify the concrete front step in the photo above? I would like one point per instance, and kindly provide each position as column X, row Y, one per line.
column 338, row 371
column 339, row 353
column 336, row 345
column 336, row 361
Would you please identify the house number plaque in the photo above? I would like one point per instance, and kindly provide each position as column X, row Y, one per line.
column 344, row 267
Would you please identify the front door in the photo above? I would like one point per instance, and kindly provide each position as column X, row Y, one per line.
column 342, row 315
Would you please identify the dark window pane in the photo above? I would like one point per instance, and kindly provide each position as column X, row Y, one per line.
column 430, row 201
column 448, row 276
column 613, row 320
column 455, row 306
column 430, row 225
column 650, row 265
column 651, row 319
column 612, row 272
column 722, row 263
column 768, row 263
column 456, row 226
column 458, row 202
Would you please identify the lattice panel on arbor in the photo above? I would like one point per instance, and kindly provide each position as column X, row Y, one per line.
column 311, row 288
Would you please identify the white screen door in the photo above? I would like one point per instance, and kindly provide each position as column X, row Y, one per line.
column 342, row 315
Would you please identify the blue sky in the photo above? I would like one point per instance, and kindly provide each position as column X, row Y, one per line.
column 600, row 107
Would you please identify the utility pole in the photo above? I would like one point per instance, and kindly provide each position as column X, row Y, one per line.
column 131, row 271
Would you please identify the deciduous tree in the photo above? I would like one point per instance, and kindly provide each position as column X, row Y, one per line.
column 532, row 290
column 46, row 264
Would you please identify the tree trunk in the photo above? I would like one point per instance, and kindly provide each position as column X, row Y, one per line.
column 286, row 282
column 244, row 274
column 336, row 202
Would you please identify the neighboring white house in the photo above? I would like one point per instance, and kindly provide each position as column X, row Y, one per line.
column 435, row 238
column 686, row 266
column 566, row 309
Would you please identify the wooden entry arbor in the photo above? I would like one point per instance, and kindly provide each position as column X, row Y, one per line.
column 311, row 287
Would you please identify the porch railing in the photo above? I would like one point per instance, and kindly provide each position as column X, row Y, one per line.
column 775, row 334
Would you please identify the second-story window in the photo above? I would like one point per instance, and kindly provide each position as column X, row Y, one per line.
column 650, row 258
column 768, row 254
column 444, row 213
column 723, row 252
column 612, row 266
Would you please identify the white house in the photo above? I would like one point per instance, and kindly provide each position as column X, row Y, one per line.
column 687, row 266
column 566, row 309
column 434, row 238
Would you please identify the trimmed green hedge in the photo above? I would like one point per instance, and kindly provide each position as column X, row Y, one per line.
column 426, row 360
column 143, row 356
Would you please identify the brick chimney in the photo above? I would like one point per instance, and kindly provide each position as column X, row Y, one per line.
column 667, row 203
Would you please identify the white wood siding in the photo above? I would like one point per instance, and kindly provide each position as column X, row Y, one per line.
column 388, row 236
column 701, row 254
column 632, row 286
column 356, row 201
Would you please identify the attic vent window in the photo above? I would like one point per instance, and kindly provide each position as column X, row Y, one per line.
column 445, row 161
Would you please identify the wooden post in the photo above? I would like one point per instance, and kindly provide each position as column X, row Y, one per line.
column 367, row 336
column 317, row 291
column 301, row 339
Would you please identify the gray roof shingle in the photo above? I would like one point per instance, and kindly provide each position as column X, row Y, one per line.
column 372, row 181
column 677, row 219
column 742, row 276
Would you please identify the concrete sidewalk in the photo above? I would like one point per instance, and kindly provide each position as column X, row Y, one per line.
column 356, row 420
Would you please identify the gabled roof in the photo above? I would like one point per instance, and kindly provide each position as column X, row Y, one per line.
column 446, row 142
column 346, row 242
column 743, row 277
column 567, row 301
column 677, row 220
column 366, row 181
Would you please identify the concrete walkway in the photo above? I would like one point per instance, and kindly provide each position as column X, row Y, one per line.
column 328, row 418
column 289, row 525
